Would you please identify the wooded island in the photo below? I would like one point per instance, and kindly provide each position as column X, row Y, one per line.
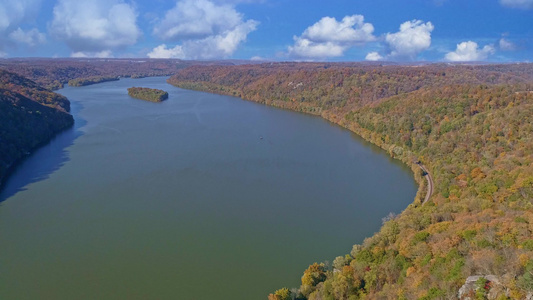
column 148, row 94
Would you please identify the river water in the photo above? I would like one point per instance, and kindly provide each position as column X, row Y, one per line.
column 201, row 196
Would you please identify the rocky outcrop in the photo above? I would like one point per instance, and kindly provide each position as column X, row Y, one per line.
column 487, row 286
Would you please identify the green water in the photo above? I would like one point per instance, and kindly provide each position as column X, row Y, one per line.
column 199, row 197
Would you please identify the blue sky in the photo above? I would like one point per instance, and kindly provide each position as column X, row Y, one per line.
column 302, row 30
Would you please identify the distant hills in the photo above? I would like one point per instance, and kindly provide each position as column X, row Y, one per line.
column 55, row 73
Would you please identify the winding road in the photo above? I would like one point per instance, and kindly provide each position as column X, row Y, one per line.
column 430, row 182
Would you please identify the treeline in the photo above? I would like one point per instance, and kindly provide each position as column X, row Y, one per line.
column 29, row 117
column 472, row 126
column 91, row 80
column 148, row 94
column 55, row 73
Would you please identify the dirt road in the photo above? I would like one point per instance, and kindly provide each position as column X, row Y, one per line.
column 430, row 182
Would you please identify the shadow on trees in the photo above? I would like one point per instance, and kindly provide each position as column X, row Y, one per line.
column 45, row 160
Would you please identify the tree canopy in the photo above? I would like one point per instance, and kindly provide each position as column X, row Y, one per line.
column 471, row 126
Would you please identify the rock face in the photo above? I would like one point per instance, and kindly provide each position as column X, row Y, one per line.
column 488, row 286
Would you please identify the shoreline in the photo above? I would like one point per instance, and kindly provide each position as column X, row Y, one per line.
column 360, row 132
column 15, row 164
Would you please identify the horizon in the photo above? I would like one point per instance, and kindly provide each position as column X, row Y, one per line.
column 362, row 62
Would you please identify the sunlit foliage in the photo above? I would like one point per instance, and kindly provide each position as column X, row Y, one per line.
column 148, row 94
column 472, row 128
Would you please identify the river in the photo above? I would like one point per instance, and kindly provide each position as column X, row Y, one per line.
column 201, row 196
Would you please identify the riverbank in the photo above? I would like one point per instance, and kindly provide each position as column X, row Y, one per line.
column 466, row 124
column 31, row 116
column 187, row 189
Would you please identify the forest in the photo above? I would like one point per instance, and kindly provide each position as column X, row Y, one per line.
column 30, row 116
column 91, row 80
column 470, row 125
column 53, row 74
column 148, row 94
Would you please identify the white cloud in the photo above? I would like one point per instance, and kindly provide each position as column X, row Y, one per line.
column 330, row 38
column 413, row 38
column 197, row 19
column 469, row 51
column 305, row 48
column 205, row 29
column 373, row 56
column 13, row 15
column 351, row 30
column 95, row 26
column 506, row 45
column 522, row 4
column 31, row 37
column 15, row 12
column 162, row 51
column 101, row 54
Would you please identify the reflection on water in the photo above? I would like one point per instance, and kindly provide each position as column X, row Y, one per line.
column 46, row 159
column 198, row 197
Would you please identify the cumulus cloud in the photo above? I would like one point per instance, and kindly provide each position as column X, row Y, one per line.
column 15, row 12
column 31, row 37
column 521, row 4
column 331, row 38
column 95, row 26
column 13, row 15
column 304, row 48
column 162, row 51
column 413, row 38
column 197, row 19
column 506, row 45
column 351, row 30
column 469, row 51
column 206, row 30
column 373, row 56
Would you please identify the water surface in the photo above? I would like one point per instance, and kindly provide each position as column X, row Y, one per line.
column 201, row 196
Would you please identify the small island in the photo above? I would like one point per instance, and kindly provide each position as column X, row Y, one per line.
column 91, row 80
column 148, row 94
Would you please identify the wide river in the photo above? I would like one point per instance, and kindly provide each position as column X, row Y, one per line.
column 201, row 196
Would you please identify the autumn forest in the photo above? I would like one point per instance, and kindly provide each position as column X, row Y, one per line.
column 471, row 126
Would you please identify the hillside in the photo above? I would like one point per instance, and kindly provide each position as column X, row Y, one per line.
column 471, row 126
column 30, row 116
column 55, row 73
